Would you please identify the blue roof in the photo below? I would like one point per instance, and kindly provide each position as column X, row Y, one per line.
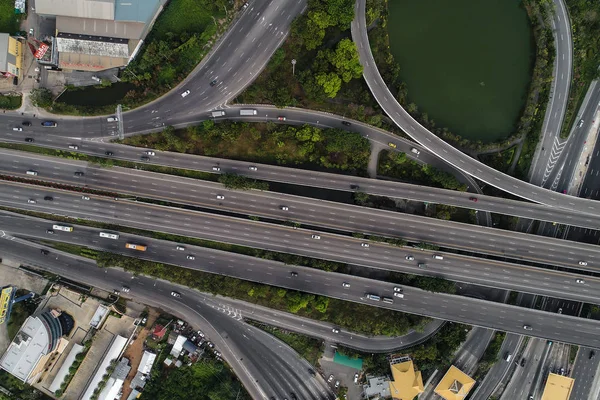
column 136, row 10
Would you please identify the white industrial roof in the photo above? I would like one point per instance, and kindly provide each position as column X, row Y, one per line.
column 64, row 369
column 111, row 354
column 92, row 47
column 178, row 346
column 100, row 9
column 146, row 362
column 98, row 316
column 30, row 344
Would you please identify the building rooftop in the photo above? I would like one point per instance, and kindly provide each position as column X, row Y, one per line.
column 136, row 10
column 178, row 346
column 3, row 67
column 455, row 385
column 99, row 9
column 558, row 387
column 146, row 362
column 377, row 386
column 111, row 354
column 64, row 369
column 100, row 27
column 407, row 382
column 159, row 331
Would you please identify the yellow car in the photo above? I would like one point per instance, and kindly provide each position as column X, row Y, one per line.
column 392, row 145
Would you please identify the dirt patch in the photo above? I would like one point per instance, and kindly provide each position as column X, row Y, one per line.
column 135, row 350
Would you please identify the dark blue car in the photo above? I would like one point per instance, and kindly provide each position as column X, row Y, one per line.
column 50, row 124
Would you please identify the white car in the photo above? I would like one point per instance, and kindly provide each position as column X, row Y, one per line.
column 150, row 153
column 398, row 289
column 176, row 294
column 330, row 378
column 396, row 294
column 191, row 257
column 284, row 208
column 346, row 285
column 335, row 330
column 125, row 289
column 31, row 31
column 184, row 94
column 364, row 244
column 252, row 168
column 180, row 248
column 337, row 384
column 18, row 129
column 31, row 201
column 317, row 237
column 527, row 328
column 583, row 263
column 216, row 168
column 85, row 197
column 409, row 258
column 580, row 281
column 112, row 119
column 220, row 197
column 73, row 146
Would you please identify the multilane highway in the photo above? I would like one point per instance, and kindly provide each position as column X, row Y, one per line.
column 331, row 215
column 416, row 301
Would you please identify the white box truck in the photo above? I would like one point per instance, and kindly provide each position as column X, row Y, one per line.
column 248, row 112
column 219, row 113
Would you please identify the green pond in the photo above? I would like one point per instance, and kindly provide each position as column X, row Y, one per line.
column 466, row 63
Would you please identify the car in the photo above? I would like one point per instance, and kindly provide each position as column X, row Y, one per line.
column 580, row 123
column 281, row 118
column 176, row 294
column 220, row 197
column 580, row 281
column 410, row 258
column 116, row 292
column 364, row 244
column 48, row 198
column 356, row 378
column 583, row 263
column 180, row 248
column 354, row 187
column 474, row 199
column 74, row 147
column 85, row 197
column 399, row 295
column 145, row 158
column 49, row 124
column 523, row 362
column 29, row 140
column 527, row 327
column 44, row 252
column 31, row 201
column 293, row 274
column 18, row 129
column 392, row 145
column 559, row 310
column 397, row 289
column 335, row 330
column 109, row 153
column 284, row 208
column 216, row 168
column 26, row 123
column 245, row 6
column 592, row 354
column 78, row 173
column 125, row 289
column 201, row 334
column 346, row 285
column 50, row 231
column 330, row 378
column 149, row 153
column 191, row 257
column 213, row 82
column 184, row 94
column 422, row 265
column 562, row 371
column 337, row 384
column 252, row 168
column 210, row 344
column 112, row 119
column 31, row 31
column 346, row 123
column 316, row 237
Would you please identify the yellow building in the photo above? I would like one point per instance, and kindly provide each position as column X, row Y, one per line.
column 407, row 383
column 455, row 385
column 558, row 387
column 11, row 56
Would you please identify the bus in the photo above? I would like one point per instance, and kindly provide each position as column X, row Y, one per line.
column 109, row 235
column 62, row 228
column 138, row 247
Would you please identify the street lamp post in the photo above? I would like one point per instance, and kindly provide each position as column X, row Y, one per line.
column 293, row 66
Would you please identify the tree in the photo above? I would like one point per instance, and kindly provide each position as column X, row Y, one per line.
column 330, row 83
column 233, row 181
column 345, row 60
column 41, row 97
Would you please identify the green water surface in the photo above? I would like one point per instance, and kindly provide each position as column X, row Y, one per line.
column 466, row 63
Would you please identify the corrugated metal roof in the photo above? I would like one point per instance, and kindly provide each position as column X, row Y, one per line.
column 92, row 46
column 99, row 9
column 4, row 51
column 100, row 27
column 136, row 10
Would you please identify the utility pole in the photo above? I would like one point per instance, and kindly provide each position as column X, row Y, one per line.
column 120, row 122
column 293, row 66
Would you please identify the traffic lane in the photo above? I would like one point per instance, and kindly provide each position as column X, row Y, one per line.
column 450, row 307
column 584, row 373
column 437, row 145
column 310, row 211
column 298, row 241
column 148, row 291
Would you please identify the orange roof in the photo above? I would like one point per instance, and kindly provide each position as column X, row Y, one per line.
column 407, row 382
column 558, row 387
column 455, row 385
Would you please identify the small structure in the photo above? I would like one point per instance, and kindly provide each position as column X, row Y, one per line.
column 64, row 369
column 558, row 387
column 376, row 387
column 407, row 382
column 114, row 384
column 99, row 316
column 178, row 346
column 159, row 332
column 455, row 385
column 139, row 380
column 111, row 354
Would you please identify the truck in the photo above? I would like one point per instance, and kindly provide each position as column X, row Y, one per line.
column 372, row 297
column 219, row 113
column 137, row 247
column 248, row 112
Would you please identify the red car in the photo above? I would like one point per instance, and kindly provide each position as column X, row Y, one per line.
column 281, row 118
column 473, row 199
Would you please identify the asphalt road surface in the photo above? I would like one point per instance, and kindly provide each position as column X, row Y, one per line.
column 265, row 366
column 584, row 372
column 467, row 310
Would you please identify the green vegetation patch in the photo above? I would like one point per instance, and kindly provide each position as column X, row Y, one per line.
column 266, row 143
column 309, row 348
column 9, row 21
column 206, row 380
column 490, row 356
column 10, row 102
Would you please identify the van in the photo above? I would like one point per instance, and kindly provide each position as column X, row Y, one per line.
column 414, row 150
column 32, row 172
column 220, row 113
column 437, row 257
column 507, row 356
column 372, row 297
column 112, row 119
column 388, row 300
